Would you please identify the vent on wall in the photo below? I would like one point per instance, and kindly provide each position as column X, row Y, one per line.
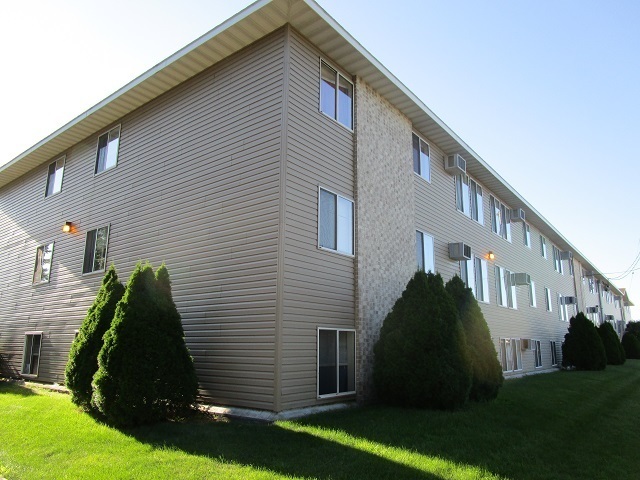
column 459, row 251
column 517, row 215
column 455, row 164
column 520, row 279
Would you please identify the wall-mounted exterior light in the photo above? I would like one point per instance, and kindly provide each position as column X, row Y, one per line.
column 491, row 256
column 67, row 227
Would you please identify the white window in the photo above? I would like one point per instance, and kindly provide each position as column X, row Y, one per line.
column 563, row 314
column 335, row 216
column 482, row 280
column 475, row 197
column 592, row 285
column 547, row 298
column 510, row 354
column 467, row 274
column 505, row 290
column 462, row 193
column 421, row 158
column 527, row 234
column 532, row 294
column 543, row 246
column 95, row 250
column 554, row 355
column 336, row 95
column 107, row 154
column 424, row 252
column 537, row 352
column 336, row 362
column 31, row 353
column 54, row 177
column 500, row 218
column 557, row 261
column 42, row 270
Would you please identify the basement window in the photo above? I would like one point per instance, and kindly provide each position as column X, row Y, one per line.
column 31, row 354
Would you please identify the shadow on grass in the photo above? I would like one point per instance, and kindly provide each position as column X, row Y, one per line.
column 15, row 387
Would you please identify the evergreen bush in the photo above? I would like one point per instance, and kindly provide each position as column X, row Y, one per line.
column 145, row 372
column 421, row 358
column 83, row 357
column 486, row 369
column 582, row 347
column 634, row 328
column 631, row 345
column 612, row 346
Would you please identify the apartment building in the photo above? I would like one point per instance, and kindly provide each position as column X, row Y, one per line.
column 292, row 185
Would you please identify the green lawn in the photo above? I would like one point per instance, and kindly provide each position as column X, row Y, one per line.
column 577, row 425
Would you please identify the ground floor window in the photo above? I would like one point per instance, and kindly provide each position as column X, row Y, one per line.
column 336, row 362
column 537, row 351
column 31, row 357
column 554, row 357
column 510, row 354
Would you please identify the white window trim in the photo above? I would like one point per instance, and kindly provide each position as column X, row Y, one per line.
column 31, row 375
column 507, row 221
column 537, row 352
column 106, row 251
column 484, row 272
column 533, row 303
column 43, row 282
column 480, row 212
column 355, row 361
column 64, row 165
column 433, row 252
column 554, row 353
column 526, row 228
column 95, row 155
column 422, row 140
column 543, row 246
column 547, row 299
column 509, row 289
column 353, row 224
column 514, row 343
column 353, row 89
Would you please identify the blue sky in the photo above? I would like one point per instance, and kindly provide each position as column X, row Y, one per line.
column 545, row 91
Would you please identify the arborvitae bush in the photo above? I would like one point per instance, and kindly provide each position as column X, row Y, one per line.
column 83, row 357
column 612, row 346
column 634, row 328
column 421, row 358
column 631, row 345
column 582, row 347
column 486, row 370
column 179, row 384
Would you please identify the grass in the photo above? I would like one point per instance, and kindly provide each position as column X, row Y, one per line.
column 565, row 425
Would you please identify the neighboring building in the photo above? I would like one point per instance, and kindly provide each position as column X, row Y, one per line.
column 292, row 185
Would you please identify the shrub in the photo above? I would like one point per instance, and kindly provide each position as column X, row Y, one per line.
column 582, row 347
column 421, row 358
column 631, row 345
column 634, row 328
column 486, row 369
column 179, row 384
column 145, row 372
column 612, row 347
column 83, row 357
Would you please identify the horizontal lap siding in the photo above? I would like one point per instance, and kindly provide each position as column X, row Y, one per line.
column 318, row 285
column 196, row 186
column 437, row 215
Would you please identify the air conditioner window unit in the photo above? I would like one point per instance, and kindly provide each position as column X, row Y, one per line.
column 608, row 317
column 517, row 215
column 459, row 251
column 569, row 300
column 566, row 255
column 592, row 309
column 455, row 164
column 520, row 279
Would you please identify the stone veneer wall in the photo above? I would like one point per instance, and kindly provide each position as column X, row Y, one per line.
column 385, row 220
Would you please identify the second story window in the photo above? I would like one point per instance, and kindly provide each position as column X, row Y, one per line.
column 95, row 250
column 335, row 230
column 107, row 154
column 42, row 270
column 421, row 159
column 557, row 261
column 336, row 95
column 424, row 252
column 500, row 218
column 475, row 197
column 54, row 177
column 462, row 193
column 526, row 234
column 543, row 246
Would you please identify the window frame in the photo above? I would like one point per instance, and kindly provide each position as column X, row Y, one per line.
column 117, row 154
column 532, row 295
column 547, row 297
column 554, row 353
column 24, row 352
column 353, row 223
column 476, row 201
column 563, row 312
column 421, row 141
column 336, row 102
column 35, row 268
column 498, row 208
column 557, row 260
column 482, row 279
column 515, row 346
column 55, row 162
column 422, row 234
column 106, row 250
column 543, row 246
column 337, row 330
column 526, row 233
column 504, row 288
column 537, row 354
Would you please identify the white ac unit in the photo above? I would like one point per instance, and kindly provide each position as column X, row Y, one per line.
column 455, row 164
column 569, row 300
column 520, row 279
column 517, row 215
column 459, row 251
column 566, row 255
column 592, row 309
column 609, row 317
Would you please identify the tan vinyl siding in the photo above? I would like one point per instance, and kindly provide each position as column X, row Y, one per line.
column 437, row 215
column 318, row 284
column 196, row 186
